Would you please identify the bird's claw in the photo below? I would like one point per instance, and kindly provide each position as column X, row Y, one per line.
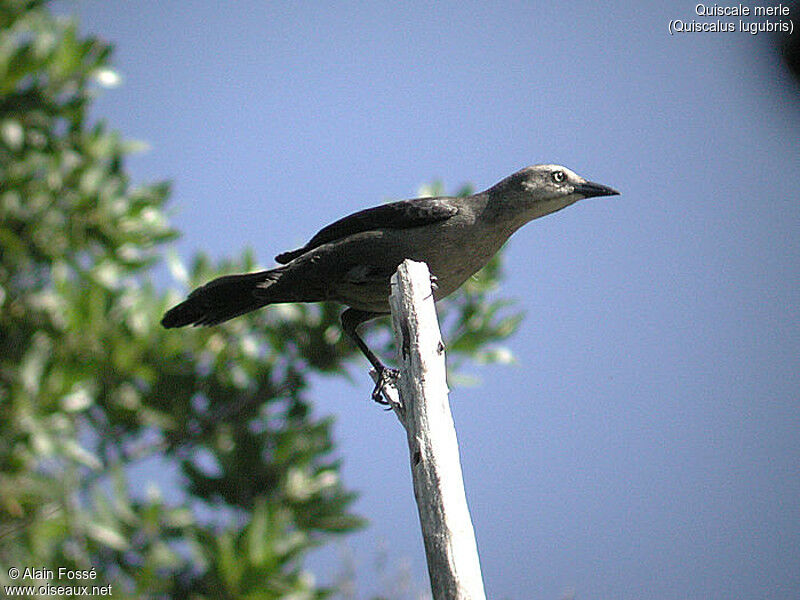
column 434, row 285
column 386, row 376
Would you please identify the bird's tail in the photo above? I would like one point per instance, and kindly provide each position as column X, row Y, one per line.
column 224, row 298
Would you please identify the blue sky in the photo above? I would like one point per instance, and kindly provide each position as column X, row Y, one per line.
column 646, row 444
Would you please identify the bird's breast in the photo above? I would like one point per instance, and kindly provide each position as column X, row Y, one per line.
column 356, row 270
column 453, row 253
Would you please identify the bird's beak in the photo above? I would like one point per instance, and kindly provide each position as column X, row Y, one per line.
column 589, row 189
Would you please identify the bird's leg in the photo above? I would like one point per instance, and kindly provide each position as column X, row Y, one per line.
column 351, row 319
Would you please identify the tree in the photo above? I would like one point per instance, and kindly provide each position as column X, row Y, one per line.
column 90, row 384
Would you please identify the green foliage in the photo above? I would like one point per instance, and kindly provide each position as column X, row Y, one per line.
column 91, row 385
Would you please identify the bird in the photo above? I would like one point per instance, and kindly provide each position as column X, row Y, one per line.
column 351, row 260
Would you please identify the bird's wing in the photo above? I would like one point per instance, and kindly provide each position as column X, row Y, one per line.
column 395, row 215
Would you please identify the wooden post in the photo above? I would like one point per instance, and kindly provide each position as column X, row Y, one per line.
column 424, row 411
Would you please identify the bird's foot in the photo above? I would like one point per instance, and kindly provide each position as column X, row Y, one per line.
column 386, row 376
column 434, row 285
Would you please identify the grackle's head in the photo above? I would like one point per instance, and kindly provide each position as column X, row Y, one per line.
column 542, row 189
column 554, row 181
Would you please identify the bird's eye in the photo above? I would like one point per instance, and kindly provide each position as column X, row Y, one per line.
column 559, row 176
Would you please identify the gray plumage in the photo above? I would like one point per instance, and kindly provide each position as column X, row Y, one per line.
column 351, row 260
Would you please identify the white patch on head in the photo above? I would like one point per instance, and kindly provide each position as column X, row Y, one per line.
column 571, row 175
column 545, row 178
